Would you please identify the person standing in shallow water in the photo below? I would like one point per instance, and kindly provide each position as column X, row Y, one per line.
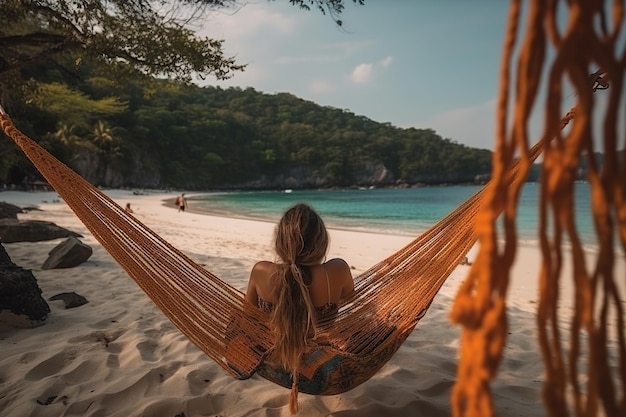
column 300, row 287
column 181, row 202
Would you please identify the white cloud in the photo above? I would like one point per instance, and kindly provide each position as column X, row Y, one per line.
column 386, row 62
column 364, row 72
column 320, row 86
column 247, row 22
column 361, row 73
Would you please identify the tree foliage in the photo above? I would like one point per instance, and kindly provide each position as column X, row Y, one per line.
column 152, row 37
column 74, row 108
column 82, row 77
column 334, row 8
column 153, row 40
column 173, row 134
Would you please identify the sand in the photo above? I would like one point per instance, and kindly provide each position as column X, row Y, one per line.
column 119, row 356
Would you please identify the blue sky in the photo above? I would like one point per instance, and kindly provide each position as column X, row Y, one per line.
column 412, row 63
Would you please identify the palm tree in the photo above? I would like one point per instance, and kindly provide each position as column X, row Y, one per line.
column 107, row 146
column 66, row 135
column 104, row 139
column 102, row 135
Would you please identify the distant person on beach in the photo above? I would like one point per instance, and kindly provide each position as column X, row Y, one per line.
column 181, row 202
column 127, row 209
column 301, row 286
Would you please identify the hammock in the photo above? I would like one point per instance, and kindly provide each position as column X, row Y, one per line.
column 389, row 300
column 394, row 294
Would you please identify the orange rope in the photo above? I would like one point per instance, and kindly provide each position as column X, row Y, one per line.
column 583, row 42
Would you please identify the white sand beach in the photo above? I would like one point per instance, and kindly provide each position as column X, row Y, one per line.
column 119, row 356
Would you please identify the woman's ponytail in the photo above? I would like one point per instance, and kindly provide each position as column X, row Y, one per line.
column 301, row 242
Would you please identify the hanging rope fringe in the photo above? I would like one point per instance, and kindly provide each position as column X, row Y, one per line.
column 592, row 36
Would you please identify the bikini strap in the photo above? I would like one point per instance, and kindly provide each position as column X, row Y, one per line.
column 327, row 283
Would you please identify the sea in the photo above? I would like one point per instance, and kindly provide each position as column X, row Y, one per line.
column 406, row 211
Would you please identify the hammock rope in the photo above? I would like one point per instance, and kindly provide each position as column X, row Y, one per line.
column 558, row 45
column 393, row 295
column 389, row 298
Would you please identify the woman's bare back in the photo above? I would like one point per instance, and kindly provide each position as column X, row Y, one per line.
column 330, row 283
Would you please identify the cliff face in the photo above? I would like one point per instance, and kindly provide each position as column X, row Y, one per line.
column 368, row 174
column 98, row 170
column 371, row 174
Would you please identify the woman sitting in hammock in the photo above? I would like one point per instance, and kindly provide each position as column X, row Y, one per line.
column 301, row 288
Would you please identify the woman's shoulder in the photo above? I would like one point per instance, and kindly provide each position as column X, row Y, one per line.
column 341, row 275
column 337, row 263
column 337, row 268
column 263, row 269
column 264, row 264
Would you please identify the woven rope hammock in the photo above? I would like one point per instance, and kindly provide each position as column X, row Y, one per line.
column 393, row 295
column 389, row 298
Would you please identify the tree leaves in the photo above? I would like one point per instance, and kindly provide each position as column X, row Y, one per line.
column 149, row 38
column 73, row 107
column 154, row 38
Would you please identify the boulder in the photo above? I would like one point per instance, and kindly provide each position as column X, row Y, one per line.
column 28, row 209
column 9, row 211
column 21, row 303
column 70, row 299
column 67, row 254
column 13, row 230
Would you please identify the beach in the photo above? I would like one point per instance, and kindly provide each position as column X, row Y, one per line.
column 119, row 356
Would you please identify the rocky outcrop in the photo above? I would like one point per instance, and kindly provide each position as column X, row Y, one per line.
column 21, row 303
column 9, row 211
column 143, row 172
column 70, row 299
column 374, row 174
column 67, row 254
column 365, row 173
column 13, row 230
column 369, row 174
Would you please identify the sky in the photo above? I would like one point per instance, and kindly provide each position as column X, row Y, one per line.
column 428, row 64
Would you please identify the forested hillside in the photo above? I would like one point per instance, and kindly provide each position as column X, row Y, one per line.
column 167, row 134
column 106, row 87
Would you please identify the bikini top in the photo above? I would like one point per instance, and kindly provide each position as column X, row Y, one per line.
column 321, row 311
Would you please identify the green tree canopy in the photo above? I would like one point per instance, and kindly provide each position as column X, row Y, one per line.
column 75, row 108
column 152, row 37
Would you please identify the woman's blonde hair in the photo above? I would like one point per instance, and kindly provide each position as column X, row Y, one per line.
column 301, row 241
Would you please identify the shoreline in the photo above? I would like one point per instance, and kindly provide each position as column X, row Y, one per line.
column 366, row 247
column 360, row 248
column 119, row 356
column 269, row 209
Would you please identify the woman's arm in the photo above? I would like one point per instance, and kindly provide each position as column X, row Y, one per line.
column 257, row 284
column 251, row 293
column 343, row 275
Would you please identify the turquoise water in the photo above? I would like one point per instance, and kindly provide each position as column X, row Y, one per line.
column 396, row 211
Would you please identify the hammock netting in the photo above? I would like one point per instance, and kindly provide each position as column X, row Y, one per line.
column 389, row 298
column 545, row 62
column 393, row 295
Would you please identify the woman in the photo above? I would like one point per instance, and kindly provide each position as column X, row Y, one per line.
column 300, row 288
